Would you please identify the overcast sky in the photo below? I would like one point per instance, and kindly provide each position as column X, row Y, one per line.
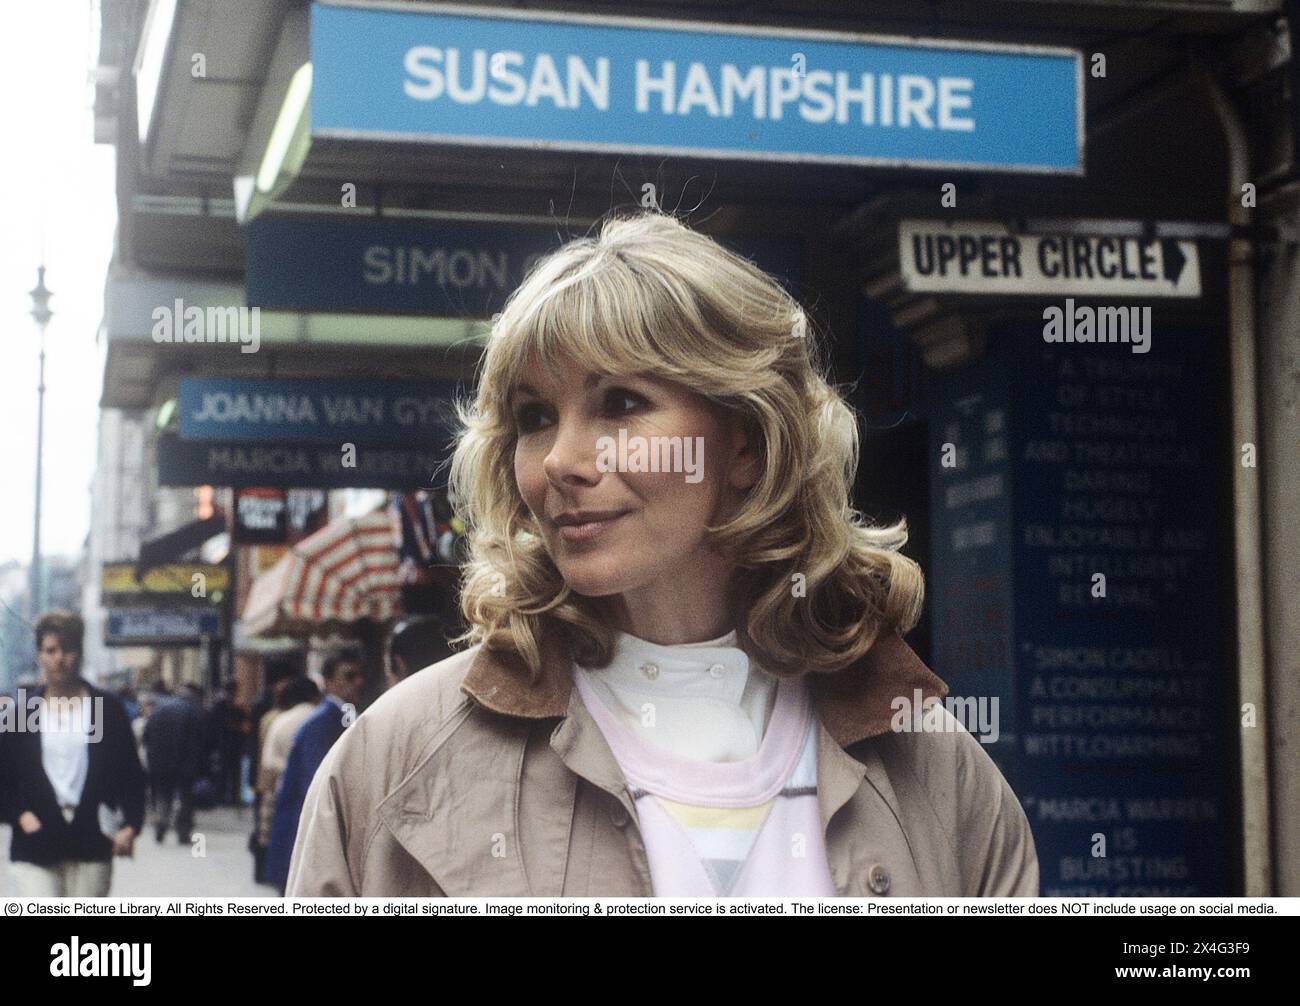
column 58, row 186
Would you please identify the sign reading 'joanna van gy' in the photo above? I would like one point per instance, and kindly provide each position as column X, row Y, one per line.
column 551, row 80
column 967, row 257
column 297, row 410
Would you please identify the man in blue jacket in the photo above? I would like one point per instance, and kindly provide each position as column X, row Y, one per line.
column 344, row 674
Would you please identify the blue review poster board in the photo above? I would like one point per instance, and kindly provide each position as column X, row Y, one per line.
column 1122, row 727
column 545, row 80
column 970, row 584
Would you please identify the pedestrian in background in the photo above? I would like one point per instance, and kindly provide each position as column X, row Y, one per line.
column 279, row 689
column 137, row 728
column 344, row 674
column 415, row 643
column 298, row 701
column 127, row 694
column 8, row 707
column 75, row 797
column 226, row 724
column 173, row 740
column 137, row 731
column 277, row 675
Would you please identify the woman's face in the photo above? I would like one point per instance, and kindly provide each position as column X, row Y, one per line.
column 635, row 533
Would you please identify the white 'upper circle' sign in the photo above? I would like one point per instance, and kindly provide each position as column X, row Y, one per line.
column 986, row 258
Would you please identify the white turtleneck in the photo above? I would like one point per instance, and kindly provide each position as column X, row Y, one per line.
column 705, row 701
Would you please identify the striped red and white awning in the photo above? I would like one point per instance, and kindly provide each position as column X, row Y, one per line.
column 346, row 571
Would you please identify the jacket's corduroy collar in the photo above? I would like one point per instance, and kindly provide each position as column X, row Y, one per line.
column 853, row 704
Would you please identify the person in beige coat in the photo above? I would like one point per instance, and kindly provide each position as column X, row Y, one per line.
column 299, row 701
column 655, row 464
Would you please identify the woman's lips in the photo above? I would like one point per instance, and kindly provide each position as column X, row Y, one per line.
column 589, row 530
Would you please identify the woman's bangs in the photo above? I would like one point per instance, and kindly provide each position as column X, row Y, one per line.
column 586, row 322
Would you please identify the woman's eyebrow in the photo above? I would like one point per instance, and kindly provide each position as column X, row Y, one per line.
column 526, row 389
column 589, row 382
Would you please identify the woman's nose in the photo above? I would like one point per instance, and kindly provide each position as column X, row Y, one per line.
column 573, row 453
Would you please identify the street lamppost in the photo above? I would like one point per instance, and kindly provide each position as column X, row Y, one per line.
column 42, row 313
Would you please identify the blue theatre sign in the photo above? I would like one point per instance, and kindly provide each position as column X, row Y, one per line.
column 548, row 80
column 422, row 267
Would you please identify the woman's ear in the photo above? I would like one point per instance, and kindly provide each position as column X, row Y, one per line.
column 746, row 463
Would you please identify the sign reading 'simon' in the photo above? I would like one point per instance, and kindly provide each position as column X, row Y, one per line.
column 971, row 257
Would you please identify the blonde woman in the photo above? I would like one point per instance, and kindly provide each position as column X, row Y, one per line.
column 685, row 655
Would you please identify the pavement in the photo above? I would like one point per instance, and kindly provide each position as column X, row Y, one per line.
column 216, row 863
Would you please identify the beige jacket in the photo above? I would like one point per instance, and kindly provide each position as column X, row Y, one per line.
column 275, row 756
column 469, row 780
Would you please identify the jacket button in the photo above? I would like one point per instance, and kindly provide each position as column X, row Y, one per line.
column 618, row 814
column 878, row 879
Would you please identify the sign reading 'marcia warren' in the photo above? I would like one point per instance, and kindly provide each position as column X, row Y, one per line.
column 277, row 464
column 551, row 80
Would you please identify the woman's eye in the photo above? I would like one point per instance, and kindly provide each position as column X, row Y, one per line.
column 530, row 417
column 619, row 401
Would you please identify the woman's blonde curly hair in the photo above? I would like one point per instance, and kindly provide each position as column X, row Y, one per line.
column 816, row 582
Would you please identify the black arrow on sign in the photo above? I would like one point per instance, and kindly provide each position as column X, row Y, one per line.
column 1174, row 259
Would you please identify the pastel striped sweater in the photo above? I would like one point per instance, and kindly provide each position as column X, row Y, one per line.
column 721, row 762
